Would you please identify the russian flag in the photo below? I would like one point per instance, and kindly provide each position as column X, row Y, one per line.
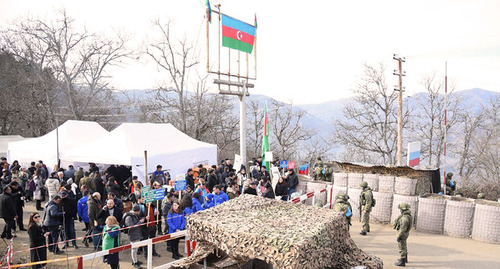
column 304, row 169
column 414, row 154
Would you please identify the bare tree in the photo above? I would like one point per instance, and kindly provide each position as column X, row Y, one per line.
column 287, row 130
column 176, row 57
column 429, row 118
column 370, row 124
column 78, row 59
column 255, row 118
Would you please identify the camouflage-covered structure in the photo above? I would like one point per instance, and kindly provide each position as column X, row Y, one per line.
column 283, row 234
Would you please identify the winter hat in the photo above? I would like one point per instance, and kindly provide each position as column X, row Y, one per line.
column 136, row 208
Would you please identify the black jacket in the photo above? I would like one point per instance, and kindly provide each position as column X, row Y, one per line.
column 99, row 186
column 37, row 238
column 104, row 214
column 250, row 190
column 190, row 181
column 69, row 207
column 269, row 193
column 7, row 206
column 16, row 196
column 292, row 181
column 212, row 181
column 281, row 189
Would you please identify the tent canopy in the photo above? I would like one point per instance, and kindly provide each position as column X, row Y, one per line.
column 5, row 140
column 165, row 145
column 71, row 134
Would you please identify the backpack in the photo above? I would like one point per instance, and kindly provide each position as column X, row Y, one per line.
column 123, row 226
column 374, row 202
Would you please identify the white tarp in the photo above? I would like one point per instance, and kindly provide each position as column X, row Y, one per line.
column 165, row 145
column 71, row 134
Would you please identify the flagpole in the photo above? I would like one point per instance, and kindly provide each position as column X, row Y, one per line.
column 445, row 123
column 208, row 39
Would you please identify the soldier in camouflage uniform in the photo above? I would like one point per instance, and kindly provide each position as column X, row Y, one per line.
column 403, row 225
column 342, row 206
column 366, row 203
column 450, row 184
column 480, row 195
column 318, row 169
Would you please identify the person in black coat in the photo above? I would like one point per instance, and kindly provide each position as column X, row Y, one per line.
column 7, row 212
column 118, row 202
column 114, row 187
column 18, row 195
column 189, row 178
column 252, row 188
column 269, row 193
column 69, row 208
column 38, row 239
column 110, row 210
column 291, row 181
column 99, row 185
column 282, row 189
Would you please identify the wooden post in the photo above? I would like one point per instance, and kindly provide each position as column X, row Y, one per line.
column 145, row 167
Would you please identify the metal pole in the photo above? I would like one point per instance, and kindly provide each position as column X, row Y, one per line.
column 150, row 253
column 243, row 127
column 445, row 122
column 57, row 143
column 400, row 115
column 208, row 41
column 145, row 167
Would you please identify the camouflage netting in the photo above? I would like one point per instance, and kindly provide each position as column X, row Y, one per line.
column 486, row 222
column 459, row 216
column 284, row 234
column 430, row 216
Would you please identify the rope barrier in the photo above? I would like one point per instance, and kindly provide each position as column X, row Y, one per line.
column 81, row 258
column 88, row 236
column 304, row 197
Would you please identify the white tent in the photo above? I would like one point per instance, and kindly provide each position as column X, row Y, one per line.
column 71, row 134
column 5, row 140
column 165, row 145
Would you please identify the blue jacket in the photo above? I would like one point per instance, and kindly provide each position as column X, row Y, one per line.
column 175, row 222
column 221, row 198
column 210, row 201
column 196, row 205
column 188, row 211
column 83, row 209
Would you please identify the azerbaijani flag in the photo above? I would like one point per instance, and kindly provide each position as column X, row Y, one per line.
column 265, row 140
column 237, row 34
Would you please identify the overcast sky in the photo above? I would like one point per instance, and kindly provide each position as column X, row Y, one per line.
column 312, row 51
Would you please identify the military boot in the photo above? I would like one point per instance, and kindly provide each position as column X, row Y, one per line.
column 400, row 262
column 406, row 258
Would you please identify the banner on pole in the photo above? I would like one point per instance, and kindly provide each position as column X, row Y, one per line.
column 283, row 164
column 291, row 165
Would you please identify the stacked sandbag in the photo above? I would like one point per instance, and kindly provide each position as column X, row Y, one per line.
column 459, row 216
column 316, row 186
column 340, row 179
column 486, row 225
column 386, row 184
column 372, row 180
column 405, row 185
column 285, row 235
column 381, row 212
column 398, row 199
column 430, row 216
column 354, row 200
column 354, row 180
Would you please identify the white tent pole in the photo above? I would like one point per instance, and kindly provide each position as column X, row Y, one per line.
column 145, row 167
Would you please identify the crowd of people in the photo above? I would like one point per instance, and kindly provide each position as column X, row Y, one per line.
column 106, row 203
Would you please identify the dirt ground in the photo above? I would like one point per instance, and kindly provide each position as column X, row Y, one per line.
column 425, row 250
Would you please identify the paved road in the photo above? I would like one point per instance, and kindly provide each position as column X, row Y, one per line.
column 427, row 250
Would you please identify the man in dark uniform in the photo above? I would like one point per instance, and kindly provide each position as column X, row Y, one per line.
column 7, row 212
